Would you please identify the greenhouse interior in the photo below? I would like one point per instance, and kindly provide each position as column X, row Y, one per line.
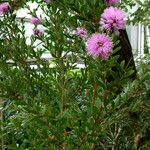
column 75, row 75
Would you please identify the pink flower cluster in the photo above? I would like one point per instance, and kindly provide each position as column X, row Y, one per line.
column 112, row 2
column 99, row 45
column 113, row 19
column 81, row 32
column 36, row 20
column 4, row 8
column 47, row 1
column 38, row 32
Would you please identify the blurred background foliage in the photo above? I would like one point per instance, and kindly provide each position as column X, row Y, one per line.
column 139, row 11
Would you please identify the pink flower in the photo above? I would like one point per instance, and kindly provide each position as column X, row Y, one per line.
column 99, row 45
column 38, row 32
column 113, row 19
column 81, row 32
column 112, row 2
column 36, row 20
column 4, row 8
column 47, row 1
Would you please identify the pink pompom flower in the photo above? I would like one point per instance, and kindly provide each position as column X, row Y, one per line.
column 81, row 32
column 38, row 32
column 99, row 45
column 112, row 2
column 113, row 19
column 36, row 20
column 4, row 8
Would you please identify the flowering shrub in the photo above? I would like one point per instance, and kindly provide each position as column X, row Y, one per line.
column 57, row 104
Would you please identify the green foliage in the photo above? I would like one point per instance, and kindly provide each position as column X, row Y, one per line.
column 58, row 105
column 139, row 11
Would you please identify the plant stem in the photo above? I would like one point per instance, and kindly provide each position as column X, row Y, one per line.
column 94, row 93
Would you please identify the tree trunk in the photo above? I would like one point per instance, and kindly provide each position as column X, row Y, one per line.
column 126, row 52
